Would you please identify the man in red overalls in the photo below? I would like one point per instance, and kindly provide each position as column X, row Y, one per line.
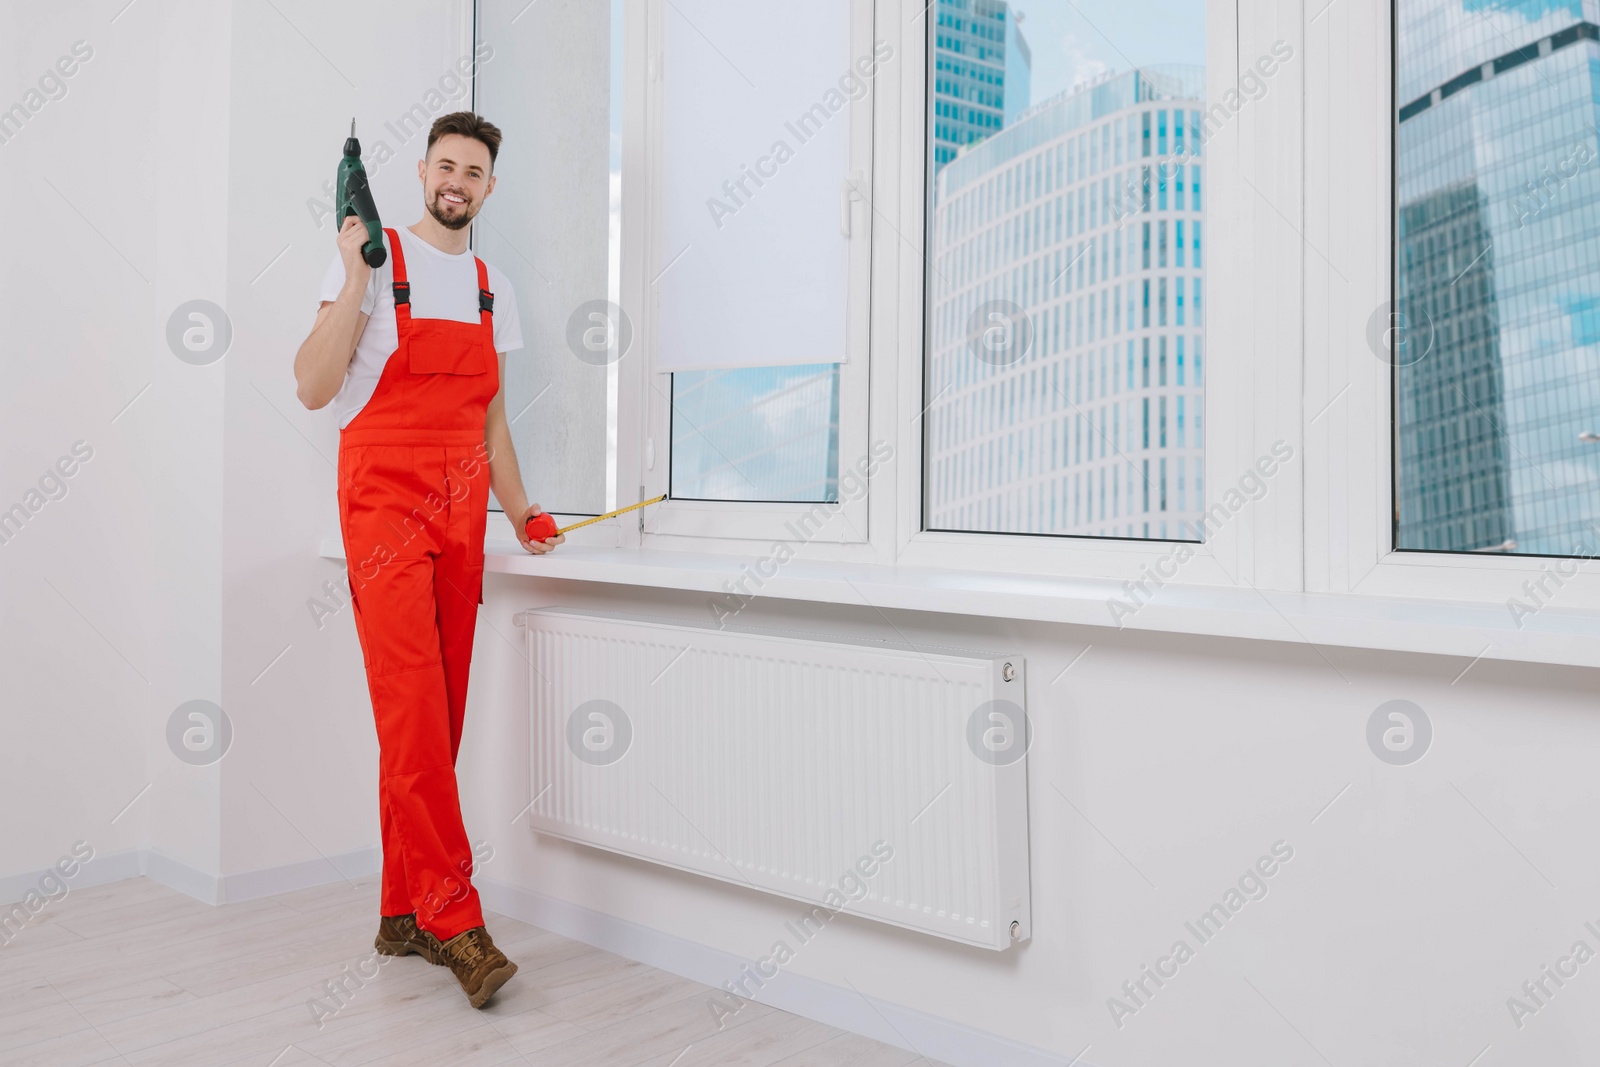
column 423, row 438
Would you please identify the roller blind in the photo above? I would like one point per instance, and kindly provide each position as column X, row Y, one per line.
column 752, row 257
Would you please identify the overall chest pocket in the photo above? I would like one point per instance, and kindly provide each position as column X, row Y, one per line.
column 443, row 346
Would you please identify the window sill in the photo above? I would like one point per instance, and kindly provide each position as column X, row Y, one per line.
column 1434, row 627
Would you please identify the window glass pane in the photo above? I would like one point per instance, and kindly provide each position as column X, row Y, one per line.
column 552, row 226
column 1494, row 334
column 1045, row 414
column 756, row 434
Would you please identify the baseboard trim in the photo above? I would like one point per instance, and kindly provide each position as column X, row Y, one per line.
column 906, row 1028
column 156, row 865
column 175, row 874
column 103, row 869
column 270, row 881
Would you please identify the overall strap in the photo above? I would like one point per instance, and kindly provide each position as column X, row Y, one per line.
column 485, row 299
column 402, row 288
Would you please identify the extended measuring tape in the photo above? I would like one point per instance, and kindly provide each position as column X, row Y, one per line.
column 542, row 525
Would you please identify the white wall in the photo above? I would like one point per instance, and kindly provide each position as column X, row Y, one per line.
column 112, row 594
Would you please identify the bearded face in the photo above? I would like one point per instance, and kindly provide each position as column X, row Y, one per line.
column 451, row 205
column 456, row 179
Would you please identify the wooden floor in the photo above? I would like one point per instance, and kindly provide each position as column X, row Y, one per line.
column 140, row 974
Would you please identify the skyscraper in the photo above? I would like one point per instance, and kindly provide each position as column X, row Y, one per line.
column 1498, row 275
column 982, row 70
column 1019, row 69
column 1066, row 367
column 1451, row 396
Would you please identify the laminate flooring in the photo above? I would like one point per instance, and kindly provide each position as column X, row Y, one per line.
column 140, row 974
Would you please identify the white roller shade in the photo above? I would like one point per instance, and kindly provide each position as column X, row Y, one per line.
column 752, row 257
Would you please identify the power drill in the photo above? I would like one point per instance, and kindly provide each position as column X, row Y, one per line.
column 354, row 197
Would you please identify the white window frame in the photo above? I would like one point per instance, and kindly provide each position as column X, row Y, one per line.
column 1251, row 394
column 1260, row 547
column 1349, row 152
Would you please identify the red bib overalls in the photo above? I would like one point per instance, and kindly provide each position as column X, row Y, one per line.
column 413, row 505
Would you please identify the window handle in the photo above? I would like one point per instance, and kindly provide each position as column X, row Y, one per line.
column 848, row 194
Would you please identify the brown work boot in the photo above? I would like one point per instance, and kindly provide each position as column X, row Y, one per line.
column 399, row 935
column 478, row 965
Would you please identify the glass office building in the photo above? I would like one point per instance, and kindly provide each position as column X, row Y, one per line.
column 1066, row 357
column 1497, row 275
column 982, row 70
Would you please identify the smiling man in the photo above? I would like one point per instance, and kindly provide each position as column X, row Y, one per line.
column 412, row 355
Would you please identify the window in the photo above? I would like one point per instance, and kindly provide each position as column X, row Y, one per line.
column 755, row 388
column 1009, row 294
column 554, row 228
column 1042, row 394
column 1493, row 335
column 1445, row 377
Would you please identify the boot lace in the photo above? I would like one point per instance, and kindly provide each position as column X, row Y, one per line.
column 468, row 948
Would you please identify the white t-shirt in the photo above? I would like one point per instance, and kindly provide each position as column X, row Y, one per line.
column 443, row 286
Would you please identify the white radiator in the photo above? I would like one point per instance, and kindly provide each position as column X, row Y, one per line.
column 786, row 761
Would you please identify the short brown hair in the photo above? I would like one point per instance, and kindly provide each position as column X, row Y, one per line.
column 467, row 124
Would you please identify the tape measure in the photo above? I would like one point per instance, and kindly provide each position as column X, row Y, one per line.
column 542, row 525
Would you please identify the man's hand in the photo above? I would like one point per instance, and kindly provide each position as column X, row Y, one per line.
column 538, row 548
column 352, row 235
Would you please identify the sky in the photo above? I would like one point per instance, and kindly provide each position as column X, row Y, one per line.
column 1074, row 40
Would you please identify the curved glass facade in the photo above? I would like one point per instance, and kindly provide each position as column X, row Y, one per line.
column 1066, row 358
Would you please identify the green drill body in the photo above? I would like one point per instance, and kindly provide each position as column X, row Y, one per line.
column 355, row 198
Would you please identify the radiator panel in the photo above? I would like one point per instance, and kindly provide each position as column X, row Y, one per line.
column 779, row 760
